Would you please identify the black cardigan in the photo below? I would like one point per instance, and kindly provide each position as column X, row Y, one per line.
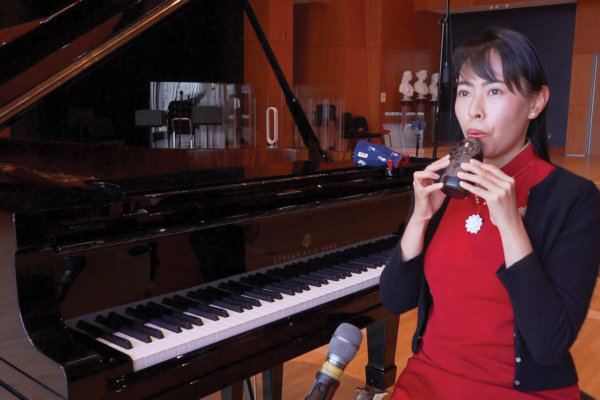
column 550, row 289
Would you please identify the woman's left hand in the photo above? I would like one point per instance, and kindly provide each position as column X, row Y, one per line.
column 496, row 188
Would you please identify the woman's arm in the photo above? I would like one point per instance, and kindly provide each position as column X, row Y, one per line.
column 551, row 287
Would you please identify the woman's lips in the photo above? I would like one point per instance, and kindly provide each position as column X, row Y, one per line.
column 476, row 133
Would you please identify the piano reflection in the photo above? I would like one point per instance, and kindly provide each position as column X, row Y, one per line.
column 131, row 272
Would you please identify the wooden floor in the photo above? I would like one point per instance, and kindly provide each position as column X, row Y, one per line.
column 299, row 373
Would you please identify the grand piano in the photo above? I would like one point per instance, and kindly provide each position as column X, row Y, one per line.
column 130, row 272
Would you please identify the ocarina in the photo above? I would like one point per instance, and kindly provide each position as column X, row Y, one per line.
column 464, row 151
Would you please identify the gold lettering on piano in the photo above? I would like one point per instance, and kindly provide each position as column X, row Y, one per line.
column 304, row 252
column 306, row 240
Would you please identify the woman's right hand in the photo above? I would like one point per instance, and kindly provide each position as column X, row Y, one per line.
column 428, row 194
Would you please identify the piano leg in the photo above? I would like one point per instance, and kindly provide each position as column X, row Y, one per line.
column 381, row 345
column 273, row 383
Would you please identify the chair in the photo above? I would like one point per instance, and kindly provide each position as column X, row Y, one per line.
column 180, row 120
column 151, row 119
column 356, row 128
column 208, row 116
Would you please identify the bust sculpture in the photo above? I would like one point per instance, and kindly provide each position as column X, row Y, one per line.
column 405, row 87
column 420, row 85
column 433, row 86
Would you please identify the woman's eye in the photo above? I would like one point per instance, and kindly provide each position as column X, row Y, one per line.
column 495, row 92
column 463, row 93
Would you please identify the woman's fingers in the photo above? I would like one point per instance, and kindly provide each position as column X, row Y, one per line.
column 486, row 175
column 430, row 173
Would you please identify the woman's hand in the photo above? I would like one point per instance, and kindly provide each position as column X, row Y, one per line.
column 498, row 191
column 428, row 199
column 428, row 194
column 495, row 187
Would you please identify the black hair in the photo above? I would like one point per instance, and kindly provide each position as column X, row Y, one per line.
column 521, row 66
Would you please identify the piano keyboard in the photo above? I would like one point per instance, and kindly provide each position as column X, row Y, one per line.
column 164, row 327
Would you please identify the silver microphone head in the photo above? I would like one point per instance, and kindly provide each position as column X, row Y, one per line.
column 344, row 344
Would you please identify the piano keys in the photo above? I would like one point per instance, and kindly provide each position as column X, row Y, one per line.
column 165, row 327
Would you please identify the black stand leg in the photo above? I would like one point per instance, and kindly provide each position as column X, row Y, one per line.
column 273, row 383
column 381, row 341
column 248, row 389
column 233, row 392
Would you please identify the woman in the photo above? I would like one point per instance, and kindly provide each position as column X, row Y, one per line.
column 500, row 302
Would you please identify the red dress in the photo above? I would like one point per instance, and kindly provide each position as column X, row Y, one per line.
column 468, row 350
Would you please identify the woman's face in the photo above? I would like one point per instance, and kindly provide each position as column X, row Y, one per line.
column 489, row 111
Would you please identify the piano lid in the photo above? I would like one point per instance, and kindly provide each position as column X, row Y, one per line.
column 79, row 71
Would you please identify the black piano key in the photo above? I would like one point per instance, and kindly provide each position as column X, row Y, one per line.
column 177, row 305
column 202, row 312
column 111, row 324
column 294, row 287
column 302, row 276
column 224, row 303
column 168, row 322
column 210, row 298
column 176, row 321
column 145, row 314
column 127, row 330
column 325, row 275
column 200, row 295
column 249, row 291
column 260, row 295
column 116, row 326
column 245, row 299
column 350, row 269
column 137, row 314
column 239, row 288
column 260, row 284
column 266, row 292
column 99, row 333
column 360, row 267
column 189, row 318
column 176, row 314
column 272, row 283
column 365, row 262
column 342, row 273
column 136, row 325
column 165, row 325
column 160, row 308
column 306, row 280
column 242, row 301
column 277, row 287
column 193, row 303
column 198, row 306
column 285, row 279
column 150, row 312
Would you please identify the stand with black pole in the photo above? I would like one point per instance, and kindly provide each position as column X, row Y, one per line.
column 445, row 73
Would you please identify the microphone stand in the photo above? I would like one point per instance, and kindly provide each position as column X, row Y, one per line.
column 444, row 73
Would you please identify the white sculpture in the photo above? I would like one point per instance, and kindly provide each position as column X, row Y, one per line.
column 433, row 86
column 405, row 87
column 420, row 85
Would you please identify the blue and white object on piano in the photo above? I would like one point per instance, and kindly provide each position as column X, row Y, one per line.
column 375, row 155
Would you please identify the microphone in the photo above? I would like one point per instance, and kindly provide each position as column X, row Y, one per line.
column 342, row 348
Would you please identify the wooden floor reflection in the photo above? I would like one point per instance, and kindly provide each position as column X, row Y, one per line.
column 299, row 373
